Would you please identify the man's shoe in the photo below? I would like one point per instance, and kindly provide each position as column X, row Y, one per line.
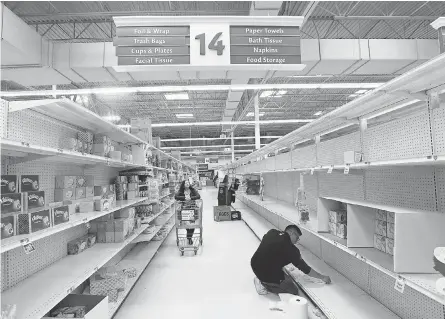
column 259, row 287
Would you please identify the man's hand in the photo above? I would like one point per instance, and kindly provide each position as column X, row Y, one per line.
column 326, row 279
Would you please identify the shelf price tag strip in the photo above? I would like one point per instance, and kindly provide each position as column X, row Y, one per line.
column 399, row 285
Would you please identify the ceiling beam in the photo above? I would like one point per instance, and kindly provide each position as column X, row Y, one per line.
column 184, row 88
column 215, row 138
column 155, row 125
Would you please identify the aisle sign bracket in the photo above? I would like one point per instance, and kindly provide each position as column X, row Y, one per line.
column 217, row 42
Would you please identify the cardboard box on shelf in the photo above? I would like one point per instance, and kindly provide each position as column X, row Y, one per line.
column 390, row 246
column 34, row 200
column 333, row 228
column 12, row 203
column 133, row 187
column 9, row 184
column 89, row 192
column 351, row 157
column 96, row 306
column 8, row 225
column 85, row 180
column 131, row 195
column 342, row 231
column 63, row 194
column 109, row 237
column 64, row 182
column 29, row 183
column 102, row 205
column 390, row 230
column 380, row 242
column 337, row 217
column 31, row 222
column 80, row 192
column 60, row 215
column 78, row 245
column 380, row 228
column 381, row 215
column 100, row 191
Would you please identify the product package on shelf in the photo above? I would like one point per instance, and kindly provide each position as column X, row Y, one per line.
column 63, row 182
column 9, row 184
column 333, row 228
column 63, row 194
column 12, row 203
column 390, row 230
column 69, row 312
column 337, row 217
column 121, row 229
column 342, row 231
column 380, row 228
column 128, row 212
column 60, row 215
column 380, row 242
column 8, row 225
column 84, row 181
column 80, row 193
column 381, row 215
column 77, row 245
column 108, row 282
column 102, row 205
column 31, row 222
column 389, row 246
column 29, row 183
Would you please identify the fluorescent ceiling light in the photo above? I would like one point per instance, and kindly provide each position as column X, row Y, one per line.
column 318, row 113
column 251, row 114
column 361, row 91
column 184, row 115
column 168, row 90
column 388, row 110
column 177, row 96
column 279, row 93
column 112, row 118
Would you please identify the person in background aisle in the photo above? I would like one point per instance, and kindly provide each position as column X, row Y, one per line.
column 187, row 192
column 277, row 249
column 215, row 180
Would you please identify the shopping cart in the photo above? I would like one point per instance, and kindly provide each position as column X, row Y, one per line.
column 188, row 216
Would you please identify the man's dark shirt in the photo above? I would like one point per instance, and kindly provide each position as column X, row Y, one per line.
column 276, row 251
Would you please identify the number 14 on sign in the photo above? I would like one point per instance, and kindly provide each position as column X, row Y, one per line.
column 216, row 45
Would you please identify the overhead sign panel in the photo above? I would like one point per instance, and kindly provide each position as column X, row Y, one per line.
column 228, row 42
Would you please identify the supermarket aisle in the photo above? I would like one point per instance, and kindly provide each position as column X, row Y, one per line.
column 217, row 283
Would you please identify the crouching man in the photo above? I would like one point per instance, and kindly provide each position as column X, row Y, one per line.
column 277, row 249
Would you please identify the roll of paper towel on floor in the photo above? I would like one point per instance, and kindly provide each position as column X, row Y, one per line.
column 297, row 308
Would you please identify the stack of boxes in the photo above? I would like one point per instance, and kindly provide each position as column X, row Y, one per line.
column 127, row 188
column 23, row 206
column 115, row 228
column 75, row 191
column 338, row 223
column 153, row 189
column 109, row 282
column 384, row 231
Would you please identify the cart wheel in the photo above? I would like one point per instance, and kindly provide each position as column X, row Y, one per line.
column 182, row 253
column 196, row 252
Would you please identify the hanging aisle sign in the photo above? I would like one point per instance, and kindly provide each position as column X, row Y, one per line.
column 221, row 42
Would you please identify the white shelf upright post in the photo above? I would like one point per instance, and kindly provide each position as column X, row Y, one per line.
column 232, row 141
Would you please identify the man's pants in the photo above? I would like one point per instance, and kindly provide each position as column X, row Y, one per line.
column 286, row 286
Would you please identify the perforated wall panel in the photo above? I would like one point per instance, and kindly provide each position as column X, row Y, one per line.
column 404, row 138
column 103, row 175
column 311, row 242
column 285, row 187
column 311, row 189
column 304, row 157
column 409, row 305
column 337, row 184
column 410, row 187
column 19, row 266
column 439, row 130
column 3, row 118
column 440, row 185
column 35, row 128
column 331, row 152
column 346, row 264
column 270, row 184
column 283, row 161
